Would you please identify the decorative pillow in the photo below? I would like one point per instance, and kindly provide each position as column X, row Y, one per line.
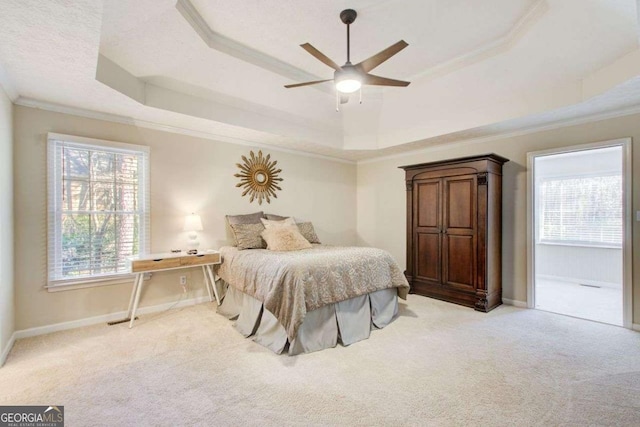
column 248, row 236
column 268, row 223
column 275, row 217
column 307, row 230
column 286, row 238
column 253, row 218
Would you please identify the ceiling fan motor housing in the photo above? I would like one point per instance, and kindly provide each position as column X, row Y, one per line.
column 348, row 16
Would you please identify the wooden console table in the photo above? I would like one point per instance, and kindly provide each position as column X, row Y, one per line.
column 171, row 261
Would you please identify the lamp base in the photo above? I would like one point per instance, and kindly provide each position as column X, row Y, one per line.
column 192, row 243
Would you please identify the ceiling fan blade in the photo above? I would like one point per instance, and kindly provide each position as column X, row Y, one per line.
column 377, row 59
column 344, row 99
column 307, row 83
column 370, row 79
column 320, row 56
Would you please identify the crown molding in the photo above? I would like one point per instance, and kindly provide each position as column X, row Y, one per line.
column 114, row 118
column 7, row 85
column 498, row 136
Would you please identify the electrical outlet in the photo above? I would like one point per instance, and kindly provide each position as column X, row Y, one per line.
column 183, row 280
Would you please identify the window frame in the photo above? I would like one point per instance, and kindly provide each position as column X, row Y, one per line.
column 55, row 142
column 577, row 243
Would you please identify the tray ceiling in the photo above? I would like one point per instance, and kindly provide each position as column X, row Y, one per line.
column 218, row 68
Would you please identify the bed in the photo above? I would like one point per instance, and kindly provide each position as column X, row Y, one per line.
column 308, row 300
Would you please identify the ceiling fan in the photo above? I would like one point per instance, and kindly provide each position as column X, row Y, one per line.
column 349, row 78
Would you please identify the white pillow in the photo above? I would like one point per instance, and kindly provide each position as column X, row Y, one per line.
column 271, row 223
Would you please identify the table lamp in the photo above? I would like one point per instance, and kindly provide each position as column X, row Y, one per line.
column 192, row 224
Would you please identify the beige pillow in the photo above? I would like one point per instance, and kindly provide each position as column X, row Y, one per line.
column 248, row 236
column 285, row 238
column 307, row 230
column 279, row 223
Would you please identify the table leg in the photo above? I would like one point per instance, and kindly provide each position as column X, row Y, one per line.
column 212, row 277
column 136, row 283
column 206, row 282
column 136, row 300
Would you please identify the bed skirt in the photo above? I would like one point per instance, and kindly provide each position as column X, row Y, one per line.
column 346, row 322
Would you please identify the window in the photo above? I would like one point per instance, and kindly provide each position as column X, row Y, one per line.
column 98, row 208
column 581, row 210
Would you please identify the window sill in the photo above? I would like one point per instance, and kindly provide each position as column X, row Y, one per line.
column 69, row 285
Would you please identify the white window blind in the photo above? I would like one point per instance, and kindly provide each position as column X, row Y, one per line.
column 581, row 210
column 98, row 203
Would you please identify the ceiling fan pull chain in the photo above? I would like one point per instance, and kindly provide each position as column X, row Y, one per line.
column 360, row 94
column 337, row 100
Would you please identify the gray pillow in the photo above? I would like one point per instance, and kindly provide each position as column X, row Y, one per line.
column 271, row 217
column 253, row 218
column 306, row 229
column 248, row 236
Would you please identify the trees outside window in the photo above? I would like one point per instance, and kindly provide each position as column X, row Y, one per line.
column 98, row 209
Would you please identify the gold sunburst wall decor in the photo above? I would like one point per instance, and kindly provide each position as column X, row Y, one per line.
column 259, row 177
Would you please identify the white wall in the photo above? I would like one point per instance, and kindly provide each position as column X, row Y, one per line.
column 382, row 194
column 6, row 222
column 580, row 264
column 188, row 174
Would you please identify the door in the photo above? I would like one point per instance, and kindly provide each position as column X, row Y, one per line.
column 427, row 229
column 580, row 231
column 459, row 234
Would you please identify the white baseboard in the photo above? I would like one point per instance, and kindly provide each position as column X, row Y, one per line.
column 584, row 281
column 7, row 349
column 514, row 302
column 47, row 329
column 636, row 327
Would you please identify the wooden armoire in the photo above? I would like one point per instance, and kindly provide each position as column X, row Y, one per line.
column 454, row 230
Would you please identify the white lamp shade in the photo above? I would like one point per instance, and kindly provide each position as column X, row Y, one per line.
column 192, row 223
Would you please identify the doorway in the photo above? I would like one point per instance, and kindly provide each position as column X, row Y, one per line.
column 579, row 231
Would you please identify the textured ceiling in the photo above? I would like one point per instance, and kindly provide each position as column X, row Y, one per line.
column 478, row 69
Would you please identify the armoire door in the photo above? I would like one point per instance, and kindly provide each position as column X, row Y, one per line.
column 427, row 229
column 460, row 223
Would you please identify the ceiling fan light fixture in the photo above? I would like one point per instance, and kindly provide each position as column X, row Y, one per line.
column 348, row 85
column 348, row 80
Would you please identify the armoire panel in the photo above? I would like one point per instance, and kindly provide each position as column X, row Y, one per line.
column 459, row 269
column 428, row 203
column 460, row 196
column 428, row 256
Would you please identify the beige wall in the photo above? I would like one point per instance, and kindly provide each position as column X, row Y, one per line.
column 6, row 221
column 381, row 194
column 187, row 174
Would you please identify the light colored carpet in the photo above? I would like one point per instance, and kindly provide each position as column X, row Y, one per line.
column 438, row 364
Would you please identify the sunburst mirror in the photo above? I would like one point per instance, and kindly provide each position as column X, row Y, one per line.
column 258, row 177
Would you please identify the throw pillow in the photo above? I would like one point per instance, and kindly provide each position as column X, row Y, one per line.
column 253, row 218
column 309, row 233
column 248, row 236
column 268, row 223
column 275, row 217
column 286, row 238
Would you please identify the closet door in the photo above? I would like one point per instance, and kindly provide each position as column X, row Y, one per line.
column 427, row 227
column 460, row 232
